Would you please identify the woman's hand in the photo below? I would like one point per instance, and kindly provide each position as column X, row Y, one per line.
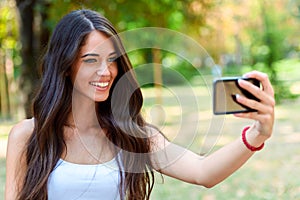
column 264, row 117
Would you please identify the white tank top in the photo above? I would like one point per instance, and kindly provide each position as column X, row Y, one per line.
column 69, row 181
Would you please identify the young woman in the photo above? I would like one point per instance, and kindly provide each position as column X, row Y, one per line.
column 88, row 140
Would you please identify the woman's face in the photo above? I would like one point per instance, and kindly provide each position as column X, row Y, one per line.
column 96, row 68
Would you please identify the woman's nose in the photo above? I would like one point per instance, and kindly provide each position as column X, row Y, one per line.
column 103, row 70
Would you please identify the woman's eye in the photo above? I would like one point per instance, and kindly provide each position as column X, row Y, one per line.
column 90, row 60
column 112, row 59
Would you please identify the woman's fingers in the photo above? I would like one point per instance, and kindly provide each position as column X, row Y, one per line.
column 266, row 94
column 257, row 92
column 266, row 102
column 256, row 105
column 264, row 79
column 264, row 116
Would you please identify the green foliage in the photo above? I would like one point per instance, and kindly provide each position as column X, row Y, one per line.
column 175, row 70
column 233, row 70
column 9, row 44
column 269, row 45
column 287, row 71
column 127, row 15
column 8, row 27
column 267, row 37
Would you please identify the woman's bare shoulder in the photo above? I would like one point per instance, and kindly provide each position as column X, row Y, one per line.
column 21, row 131
column 15, row 159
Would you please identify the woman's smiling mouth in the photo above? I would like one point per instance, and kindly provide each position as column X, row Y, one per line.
column 98, row 84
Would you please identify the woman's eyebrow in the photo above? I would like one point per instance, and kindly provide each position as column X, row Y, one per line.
column 95, row 54
column 112, row 53
column 90, row 54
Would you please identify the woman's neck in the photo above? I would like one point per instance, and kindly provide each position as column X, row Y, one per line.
column 83, row 115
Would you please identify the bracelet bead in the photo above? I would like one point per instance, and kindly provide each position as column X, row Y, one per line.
column 249, row 146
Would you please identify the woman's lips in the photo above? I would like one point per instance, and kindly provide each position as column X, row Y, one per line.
column 100, row 85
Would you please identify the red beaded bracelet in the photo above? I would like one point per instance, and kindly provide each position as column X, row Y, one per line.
column 249, row 146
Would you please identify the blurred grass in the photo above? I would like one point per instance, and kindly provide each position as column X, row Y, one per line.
column 2, row 177
column 269, row 174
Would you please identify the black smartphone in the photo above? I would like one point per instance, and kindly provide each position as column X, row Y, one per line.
column 224, row 95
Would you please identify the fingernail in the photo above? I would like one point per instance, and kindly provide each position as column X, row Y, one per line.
column 237, row 96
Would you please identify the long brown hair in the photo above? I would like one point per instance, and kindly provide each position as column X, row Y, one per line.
column 119, row 114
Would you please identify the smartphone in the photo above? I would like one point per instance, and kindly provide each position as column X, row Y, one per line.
column 224, row 95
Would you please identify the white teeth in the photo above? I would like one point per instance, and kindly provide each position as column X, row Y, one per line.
column 100, row 84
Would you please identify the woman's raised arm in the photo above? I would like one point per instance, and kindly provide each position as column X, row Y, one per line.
column 180, row 163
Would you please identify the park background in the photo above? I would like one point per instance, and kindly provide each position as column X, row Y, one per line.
column 238, row 35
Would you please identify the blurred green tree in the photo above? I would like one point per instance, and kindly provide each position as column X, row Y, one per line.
column 34, row 34
column 270, row 44
column 249, row 31
column 38, row 17
column 257, row 35
column 8, row 48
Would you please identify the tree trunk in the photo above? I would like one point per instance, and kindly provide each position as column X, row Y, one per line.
column 157, row 75
column 28, row 77
column 4, row 94
column 44, row 28
column 157, row 111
